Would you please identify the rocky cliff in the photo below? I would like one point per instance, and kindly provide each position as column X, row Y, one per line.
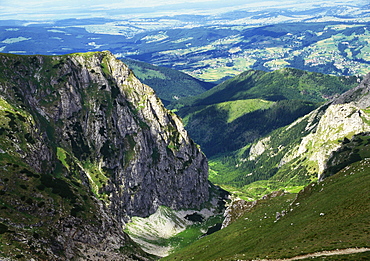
column 97, row 145
column 303, row 151
column 331, row 124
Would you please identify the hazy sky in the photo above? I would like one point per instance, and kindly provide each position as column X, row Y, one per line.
column 57, row 9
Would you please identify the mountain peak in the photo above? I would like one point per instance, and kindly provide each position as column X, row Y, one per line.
column 92, row 145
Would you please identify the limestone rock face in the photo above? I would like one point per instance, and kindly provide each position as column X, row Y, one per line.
column 91, row 121
column 303, row 151
column 238, row 207
column 258, row 148
column 337, row 122
column 359, row 96
column 342, row 118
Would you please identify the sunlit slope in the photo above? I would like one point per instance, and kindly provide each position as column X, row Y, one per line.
column 329, row 215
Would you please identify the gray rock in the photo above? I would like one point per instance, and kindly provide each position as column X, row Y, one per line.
column 116, row 138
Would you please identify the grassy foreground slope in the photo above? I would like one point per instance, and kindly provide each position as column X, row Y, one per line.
column 333, row 214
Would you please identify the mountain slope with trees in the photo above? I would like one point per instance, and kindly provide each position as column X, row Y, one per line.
column 301, row 152
column 242, row 109
column 170, row 85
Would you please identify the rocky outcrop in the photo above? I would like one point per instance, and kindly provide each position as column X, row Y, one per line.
column 300, row 152
column 89, row 120
column 339, row 121
column 258, row 148
column 238, row 207
column 359, row 96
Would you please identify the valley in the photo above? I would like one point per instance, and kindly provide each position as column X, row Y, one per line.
column 319, row 145
column 327, row 39
column 238, row 132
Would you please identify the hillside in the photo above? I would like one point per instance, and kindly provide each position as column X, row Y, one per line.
column 85, row 146
column 251, row 105
column 292, row 156
column 328, row 215
column 283, row 84
column 170, row 85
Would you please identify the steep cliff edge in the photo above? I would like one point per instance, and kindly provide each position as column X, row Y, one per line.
column 95, row 142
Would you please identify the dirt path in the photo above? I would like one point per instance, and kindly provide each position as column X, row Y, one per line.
column 324, row 253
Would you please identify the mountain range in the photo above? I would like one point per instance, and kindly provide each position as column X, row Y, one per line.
column 87, row 149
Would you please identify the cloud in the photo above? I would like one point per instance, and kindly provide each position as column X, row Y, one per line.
column 46, row 4
column 59, row 9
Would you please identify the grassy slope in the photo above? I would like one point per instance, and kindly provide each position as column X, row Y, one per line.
column 233, row 109
column 329, row 215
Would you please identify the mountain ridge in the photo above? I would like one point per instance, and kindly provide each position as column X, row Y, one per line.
column 284, row 95
column 86, row 146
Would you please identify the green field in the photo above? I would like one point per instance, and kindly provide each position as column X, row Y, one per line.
column 327, row 47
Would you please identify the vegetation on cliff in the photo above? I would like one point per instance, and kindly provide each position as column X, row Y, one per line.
column 84, row 146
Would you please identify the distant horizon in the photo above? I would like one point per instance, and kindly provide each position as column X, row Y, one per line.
column 48, row 10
